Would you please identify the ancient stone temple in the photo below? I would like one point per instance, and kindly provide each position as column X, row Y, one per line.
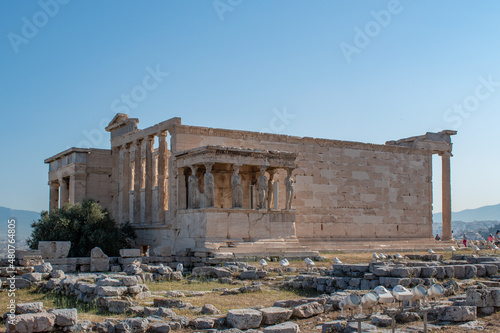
column 204, row 188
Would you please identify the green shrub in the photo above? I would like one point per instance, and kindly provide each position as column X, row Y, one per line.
column 86, row 225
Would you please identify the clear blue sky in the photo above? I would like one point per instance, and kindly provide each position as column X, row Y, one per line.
column 367, row 71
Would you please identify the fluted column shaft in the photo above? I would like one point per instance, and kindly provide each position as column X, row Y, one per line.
column 125, row 183
column 162, row 176
column 446, row 195
column 137, row 181
column 148, row 187
column 63, row 192
column 54, row 195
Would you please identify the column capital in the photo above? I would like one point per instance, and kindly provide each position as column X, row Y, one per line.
column 208, row 165
column 445, row 153
column 162, row 133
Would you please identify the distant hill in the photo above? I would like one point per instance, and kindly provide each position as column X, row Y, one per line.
column 486, row 213
column 24, row 219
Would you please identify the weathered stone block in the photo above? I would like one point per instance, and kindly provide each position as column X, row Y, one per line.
column 32, row 277
column 203, row 323
column 32, row 322
column 308, row 310
column 54, row 250
column 34, row 307
column 108, row 282
column 129, row 281
column 457, row 313
column 288, row 327
column 401, row 272
column 130, row 253
column 470, row 271
column 210, row 309
column 99, row 265
column 22, row 283
column 65, row 317
column 110, row 291
column 160, row 328
column 244, row 319
column 275, row 315
column 43, row 268
column 57, row 274
column 459, row 271
column 428, row 272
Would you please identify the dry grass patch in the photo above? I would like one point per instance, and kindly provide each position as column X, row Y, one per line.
column 52, row 300
column 267, row 297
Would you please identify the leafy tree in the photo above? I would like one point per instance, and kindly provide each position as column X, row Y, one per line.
column 86, row 225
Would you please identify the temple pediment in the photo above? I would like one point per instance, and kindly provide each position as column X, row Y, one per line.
column 121, row 124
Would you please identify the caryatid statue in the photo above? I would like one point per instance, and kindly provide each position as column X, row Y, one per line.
column 270, row 189
column 262, row 188
column 290, row 187
column 193, row 190
column 236, row 187
column 209, row 184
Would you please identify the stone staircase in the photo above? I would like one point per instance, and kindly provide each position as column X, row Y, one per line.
column 379, row 245
column 294, row 248
column 289, row 248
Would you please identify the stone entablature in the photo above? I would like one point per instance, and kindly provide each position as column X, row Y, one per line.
column 238, row 156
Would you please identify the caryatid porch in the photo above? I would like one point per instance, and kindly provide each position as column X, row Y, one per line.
column 232, row 194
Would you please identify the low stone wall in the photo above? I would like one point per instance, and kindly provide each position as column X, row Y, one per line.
column 368, row 276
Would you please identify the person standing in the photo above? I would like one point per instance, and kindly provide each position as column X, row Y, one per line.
column 491, row 240
column 465, row 240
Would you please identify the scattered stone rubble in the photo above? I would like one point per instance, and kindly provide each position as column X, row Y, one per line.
column 120, row 292
column 390, row 274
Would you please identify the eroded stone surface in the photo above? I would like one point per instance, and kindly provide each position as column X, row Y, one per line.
column 244, row 318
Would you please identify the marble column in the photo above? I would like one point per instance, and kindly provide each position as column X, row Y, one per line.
column 137, row 181
column 162, row 175
column 148, row 187
column 115, row 184
column 63, row 191
column 125, row 183
column 276, row 195
column 53, row 195
column 446, row 195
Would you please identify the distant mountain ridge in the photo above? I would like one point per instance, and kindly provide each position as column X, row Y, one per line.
column 24, row 219
column 485, row 213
